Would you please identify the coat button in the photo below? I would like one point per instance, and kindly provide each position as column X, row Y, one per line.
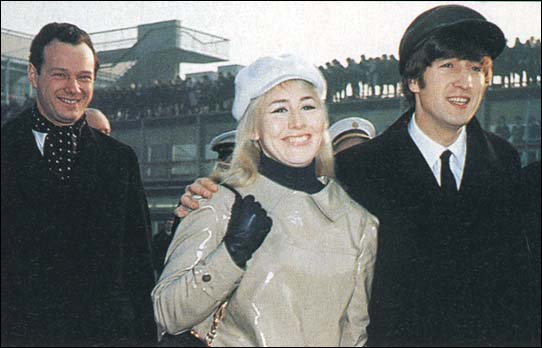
column 206, row 277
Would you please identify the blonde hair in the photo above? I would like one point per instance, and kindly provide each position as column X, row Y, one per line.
column 243, row 169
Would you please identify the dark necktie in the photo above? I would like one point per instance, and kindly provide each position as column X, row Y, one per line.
column 60, row 146
column 447, row 180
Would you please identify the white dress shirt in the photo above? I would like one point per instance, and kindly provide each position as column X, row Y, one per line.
column 40, row 140
column 432, row 150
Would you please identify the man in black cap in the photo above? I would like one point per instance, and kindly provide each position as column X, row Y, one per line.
column 451, row 266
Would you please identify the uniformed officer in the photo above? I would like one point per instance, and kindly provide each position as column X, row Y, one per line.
column 223, row 144
column 350, row 131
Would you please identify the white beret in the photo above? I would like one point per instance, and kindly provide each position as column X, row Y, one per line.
column 352, row 124
column 267, row 72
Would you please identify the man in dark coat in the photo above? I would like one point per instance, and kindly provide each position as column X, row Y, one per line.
column 76, row 264
column 452, row 260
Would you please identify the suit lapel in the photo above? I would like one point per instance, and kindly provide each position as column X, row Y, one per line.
column 29, row 165
column 414, row 177
column 87, row 170
column 478, row 163
column 478, row 174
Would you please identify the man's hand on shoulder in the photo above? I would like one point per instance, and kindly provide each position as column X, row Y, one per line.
column 203, row 187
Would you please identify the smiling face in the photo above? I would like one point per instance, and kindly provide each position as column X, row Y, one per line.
column 292, row 123
column 65, row 84
column 449, row 99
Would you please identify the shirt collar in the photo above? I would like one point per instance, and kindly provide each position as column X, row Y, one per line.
column 40, row 139
column 431, row 150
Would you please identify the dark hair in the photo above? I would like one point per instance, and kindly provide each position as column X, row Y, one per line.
column 444, row 45
column 63, row 32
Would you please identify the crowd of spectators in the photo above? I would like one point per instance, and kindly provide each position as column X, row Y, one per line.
column 374, row 77
column 170, row 98
column 517, row 66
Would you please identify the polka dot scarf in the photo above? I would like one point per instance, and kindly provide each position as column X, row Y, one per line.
column 60, row 149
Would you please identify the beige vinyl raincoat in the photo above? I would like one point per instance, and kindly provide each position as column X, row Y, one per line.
column 307, row 285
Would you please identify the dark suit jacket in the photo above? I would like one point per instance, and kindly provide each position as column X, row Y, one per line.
column 76, row 263
column 449, row 270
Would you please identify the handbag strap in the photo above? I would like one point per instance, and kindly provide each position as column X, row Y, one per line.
column 217, row 318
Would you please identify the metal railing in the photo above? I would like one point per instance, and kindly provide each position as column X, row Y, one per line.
column 187, row 39
column 15, row 44
column 197, row 41
column 114, row 39
column 17, row 33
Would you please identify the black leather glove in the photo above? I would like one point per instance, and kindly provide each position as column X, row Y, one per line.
column 247, row 229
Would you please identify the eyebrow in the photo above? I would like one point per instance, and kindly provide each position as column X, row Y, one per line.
column 458, row 59
column 66, row 70
column 279, row 101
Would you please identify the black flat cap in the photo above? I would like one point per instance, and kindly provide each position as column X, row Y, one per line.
column 450, row 18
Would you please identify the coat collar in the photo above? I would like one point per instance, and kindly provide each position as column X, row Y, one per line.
column 331, row 200
column 415, row 175
column 32, row 168
column 480, row 163
column 24, row 157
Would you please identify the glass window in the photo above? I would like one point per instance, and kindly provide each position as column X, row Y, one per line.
column 157, row 153
column 185, row 169
column 185, row 152
column 164, row 202
column 158, row 171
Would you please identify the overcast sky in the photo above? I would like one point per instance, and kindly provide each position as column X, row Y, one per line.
column 319, row 31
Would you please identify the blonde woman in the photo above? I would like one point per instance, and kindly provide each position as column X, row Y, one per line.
column 291, row 254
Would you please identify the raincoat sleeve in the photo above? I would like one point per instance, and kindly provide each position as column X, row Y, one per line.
column 199, row 273
column 357, row 313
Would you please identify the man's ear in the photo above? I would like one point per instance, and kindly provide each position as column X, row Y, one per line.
column 33, row 75
column 414, row 85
